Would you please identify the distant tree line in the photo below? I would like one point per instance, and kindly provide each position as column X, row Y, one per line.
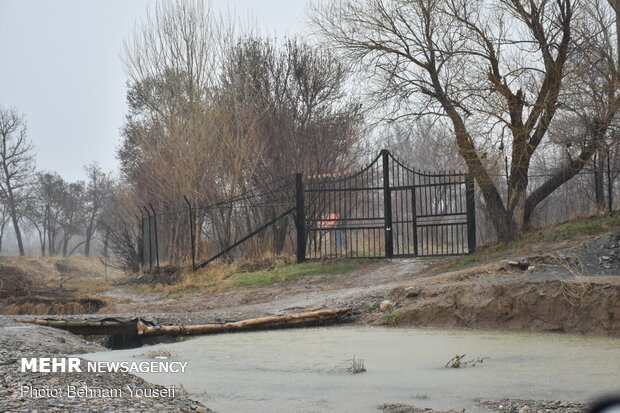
column 43, row 202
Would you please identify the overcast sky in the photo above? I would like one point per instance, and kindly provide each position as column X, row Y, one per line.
column 60, row 66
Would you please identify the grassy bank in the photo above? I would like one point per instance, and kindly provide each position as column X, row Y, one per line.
column 534, row 241
column 220, row 276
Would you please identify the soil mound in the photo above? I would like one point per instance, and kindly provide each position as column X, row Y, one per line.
column 558, row 306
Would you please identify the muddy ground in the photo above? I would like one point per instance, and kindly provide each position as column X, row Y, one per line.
column 575, row 289
column 572, row 288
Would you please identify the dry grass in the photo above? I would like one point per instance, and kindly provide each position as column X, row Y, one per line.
column 88, row 285
column 14, row 282
column 549, row 239
column 52, row 306
column 577, row 291
column 246, row 274
column 53, row 285
column 58, row 269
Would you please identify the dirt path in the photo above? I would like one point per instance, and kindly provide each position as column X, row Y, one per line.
column 376, row 279
column 547, row 294
column 574, row 288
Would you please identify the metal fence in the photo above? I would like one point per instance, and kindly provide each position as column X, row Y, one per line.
column 387, row 209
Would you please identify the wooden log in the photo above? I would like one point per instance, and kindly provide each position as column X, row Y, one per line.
column 108, row 326
column 141, row 327
column 309, row 318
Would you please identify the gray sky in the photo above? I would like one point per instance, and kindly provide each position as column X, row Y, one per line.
column 60, row 66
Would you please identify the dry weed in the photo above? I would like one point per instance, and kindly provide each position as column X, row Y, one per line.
column 353, row 365
column 577, row 290
column 457, row 361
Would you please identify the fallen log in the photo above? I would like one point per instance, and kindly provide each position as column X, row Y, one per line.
column 106, row 326
column 305, row 319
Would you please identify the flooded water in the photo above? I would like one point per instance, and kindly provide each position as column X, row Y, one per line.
column 293, row 370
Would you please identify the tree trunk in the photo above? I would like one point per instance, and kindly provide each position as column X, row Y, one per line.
column 15, row 221
column 2, row 227
column 106, row 240
column 599, row 186
column 50, row 242
column 573, row 167
column 42, row 240
column 65, row 245
column 89, row 235
column 87, row 244
column 280, row 232
column 320, row 317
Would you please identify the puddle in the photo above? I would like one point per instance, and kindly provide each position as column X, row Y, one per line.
column 293, row 370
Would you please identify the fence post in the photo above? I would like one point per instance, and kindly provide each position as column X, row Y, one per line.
column 471, row 213
column 155, row 229
column 300, row 218
column 387, row 205
column 191, row 233
column 414, row 212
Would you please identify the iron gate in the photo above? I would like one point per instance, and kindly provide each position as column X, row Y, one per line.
column 385, row 210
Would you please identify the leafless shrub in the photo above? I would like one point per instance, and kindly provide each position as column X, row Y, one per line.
column 353, row 365
column 14, row 282
column 577, row 290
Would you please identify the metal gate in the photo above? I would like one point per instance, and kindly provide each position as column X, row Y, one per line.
column 385, row 210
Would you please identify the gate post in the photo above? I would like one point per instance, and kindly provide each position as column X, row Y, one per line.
column 300, row 218
column 192, row 238
column 471, row 213
column 414, row 212
column 155, row 229
column 387, row 205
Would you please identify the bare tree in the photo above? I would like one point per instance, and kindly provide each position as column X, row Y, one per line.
column 50, row 188
column 211, row 119
column 615, row 4
column 72, row 216
column 494, row 70
column 123, row 248
column 16, row 166
column 589, row 111
column 5, row 217
column 172, row 62
column 291, row 98
column 45, row 206
column 98, row 188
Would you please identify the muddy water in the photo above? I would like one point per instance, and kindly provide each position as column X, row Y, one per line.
column 292, row 370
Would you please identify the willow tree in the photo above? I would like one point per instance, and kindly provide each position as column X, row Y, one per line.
column 492, row 69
